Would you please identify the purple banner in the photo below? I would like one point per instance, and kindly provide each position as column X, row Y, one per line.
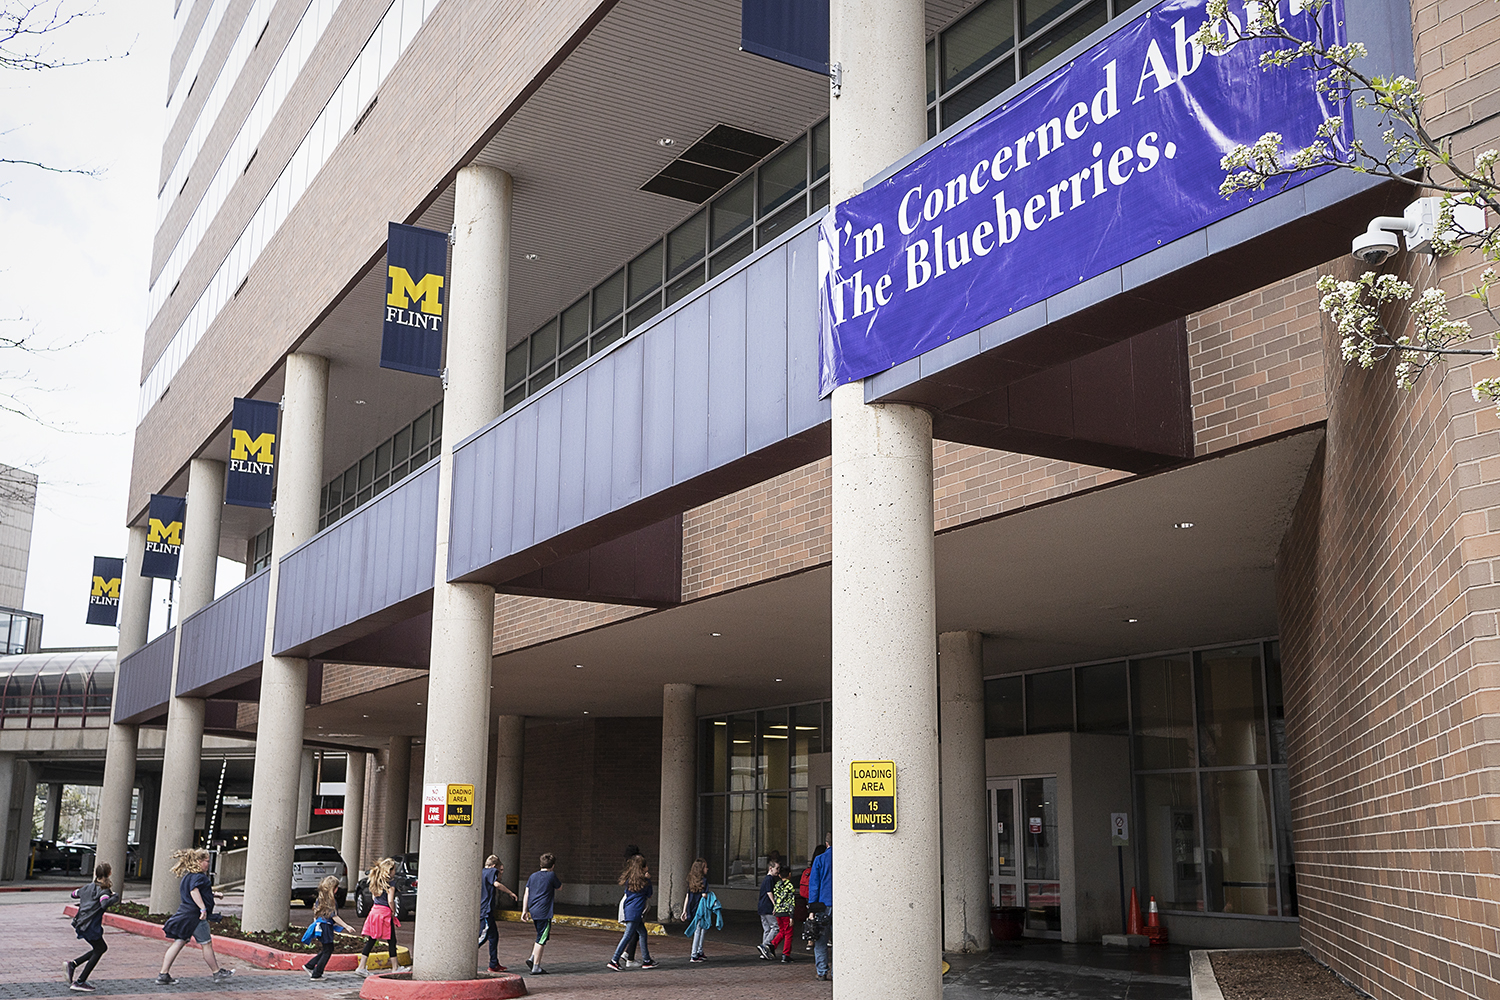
column 1109, row 157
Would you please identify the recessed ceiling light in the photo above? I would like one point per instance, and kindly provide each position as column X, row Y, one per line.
column 578, row 666
column 359, row 402
column 778, row 680
column 664, row 142
column 1183, row 524
column 419, row 704
column 530, row 256
column 1131, row 621
column 716, row 634
column 366, row 716
column 585, row 711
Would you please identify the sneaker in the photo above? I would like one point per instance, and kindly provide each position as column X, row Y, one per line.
column 82, row 987
column 164, row 980
column 221, row 975
column 528, row 963
column 786, row 959
column 649, row 963
column 612, row 965
column 314, row 975
column 71, row 967
column 538, row 972
column 696, row 958
column 765, row 952
column 497, row 968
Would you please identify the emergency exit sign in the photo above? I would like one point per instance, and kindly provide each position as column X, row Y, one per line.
column 872, row 796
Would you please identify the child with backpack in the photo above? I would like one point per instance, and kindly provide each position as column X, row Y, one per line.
column 93, row 900
column 325, row 919
column 783, row 900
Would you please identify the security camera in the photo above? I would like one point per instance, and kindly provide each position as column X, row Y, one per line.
column 1375, row 246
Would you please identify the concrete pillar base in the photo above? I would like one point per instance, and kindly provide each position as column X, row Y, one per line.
column 401, row 986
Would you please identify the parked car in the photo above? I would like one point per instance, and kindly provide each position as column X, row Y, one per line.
column 404, row 881
column 311, row 865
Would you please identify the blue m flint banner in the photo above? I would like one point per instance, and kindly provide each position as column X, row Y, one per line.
column 1109, row 157
column 164, row 519
column 416, row 270
column 104, row 595
column 794, row 32
column 252, row 453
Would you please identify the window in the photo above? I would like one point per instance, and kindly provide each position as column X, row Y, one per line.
column 1207, row 739
column 753, row 789
column 977, row 57
column 391, row 461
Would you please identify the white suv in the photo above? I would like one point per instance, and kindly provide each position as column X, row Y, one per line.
column 311, row 865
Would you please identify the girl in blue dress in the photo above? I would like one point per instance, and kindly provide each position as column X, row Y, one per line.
column 190, row 922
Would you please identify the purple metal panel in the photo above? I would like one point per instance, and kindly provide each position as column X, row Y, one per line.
column 690, row 392
column 145, row 681
column 804, row 409
column 598, row 469
column 223, row 640
column 502, row 499
column 570, row 453
column 627, row 427
column 765, row 351
column 658, row 380
column 726, row 372
column 523, row 490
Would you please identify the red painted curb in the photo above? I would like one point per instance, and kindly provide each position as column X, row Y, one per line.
column 259, row 955
column 401, row 986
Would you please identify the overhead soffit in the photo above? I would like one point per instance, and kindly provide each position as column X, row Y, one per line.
column 1048, row 585
column 578, row 152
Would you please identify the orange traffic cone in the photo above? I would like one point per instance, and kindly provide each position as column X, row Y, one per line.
column 1133, row 923
column 1154, row 930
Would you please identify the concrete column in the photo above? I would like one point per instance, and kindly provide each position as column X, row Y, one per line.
column 24, row 790
column 354, row 813
column 7, row 789
column 123, row 740
column 679, row 759
column 283, row 679
column 884, row 622
column 150, row 810
column 463, row 614
column 182, row 756
column 305, row 783
column 966, row 852
column 397, row 794
column 53, row 811
column 509, row 749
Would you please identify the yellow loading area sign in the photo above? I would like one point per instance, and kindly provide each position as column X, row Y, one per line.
column 872, row 796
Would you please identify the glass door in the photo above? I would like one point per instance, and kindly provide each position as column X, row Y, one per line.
column 1005, row 866
column 1024, row 866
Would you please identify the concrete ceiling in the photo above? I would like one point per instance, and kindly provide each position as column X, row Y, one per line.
column 1048, row 585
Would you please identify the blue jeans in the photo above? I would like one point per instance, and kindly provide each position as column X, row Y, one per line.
column 635, row 930
column 820, row 944
column 698, row 941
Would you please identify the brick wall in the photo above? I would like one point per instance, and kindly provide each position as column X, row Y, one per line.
column 589, row 788
column 341, row 680
column 1256, row 365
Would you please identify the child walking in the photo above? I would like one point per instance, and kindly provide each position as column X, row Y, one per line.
column 190, row 922
column 381, row 923
column 490, row 886
column 93, row 900
column 636, row 878
column 325, row 919
column 697, row 886
column 536, row 906
column 783, row 901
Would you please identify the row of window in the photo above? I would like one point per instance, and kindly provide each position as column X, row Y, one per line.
column 771, row 198
column 999, row 42
column 385, row 465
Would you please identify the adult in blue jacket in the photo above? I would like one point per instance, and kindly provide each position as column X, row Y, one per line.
column 820, row 891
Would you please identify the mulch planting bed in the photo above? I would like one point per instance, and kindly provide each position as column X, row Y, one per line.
column 287, row 940
column 1277, row 975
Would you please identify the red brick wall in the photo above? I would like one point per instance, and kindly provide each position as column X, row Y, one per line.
column 589, row 788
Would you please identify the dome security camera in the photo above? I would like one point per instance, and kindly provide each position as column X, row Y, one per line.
column 1375, row 247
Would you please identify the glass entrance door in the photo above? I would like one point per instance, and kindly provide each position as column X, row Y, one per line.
column 1024, row 866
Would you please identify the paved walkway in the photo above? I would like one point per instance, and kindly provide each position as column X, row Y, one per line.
column 38, row 940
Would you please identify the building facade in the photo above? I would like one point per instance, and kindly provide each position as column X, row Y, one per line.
column 1158, row 555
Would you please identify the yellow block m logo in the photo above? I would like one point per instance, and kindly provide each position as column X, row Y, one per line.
column 106, row 588
column 171, row 534
column 404, row 291
column 242, row 447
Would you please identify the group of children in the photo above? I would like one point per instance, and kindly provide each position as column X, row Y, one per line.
column 700, row 909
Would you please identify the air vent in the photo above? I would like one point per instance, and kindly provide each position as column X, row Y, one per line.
column 708, row 166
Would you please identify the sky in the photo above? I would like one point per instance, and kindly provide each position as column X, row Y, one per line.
column 74, row 257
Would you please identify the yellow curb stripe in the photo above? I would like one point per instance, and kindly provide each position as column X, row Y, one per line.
column 593, row 923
